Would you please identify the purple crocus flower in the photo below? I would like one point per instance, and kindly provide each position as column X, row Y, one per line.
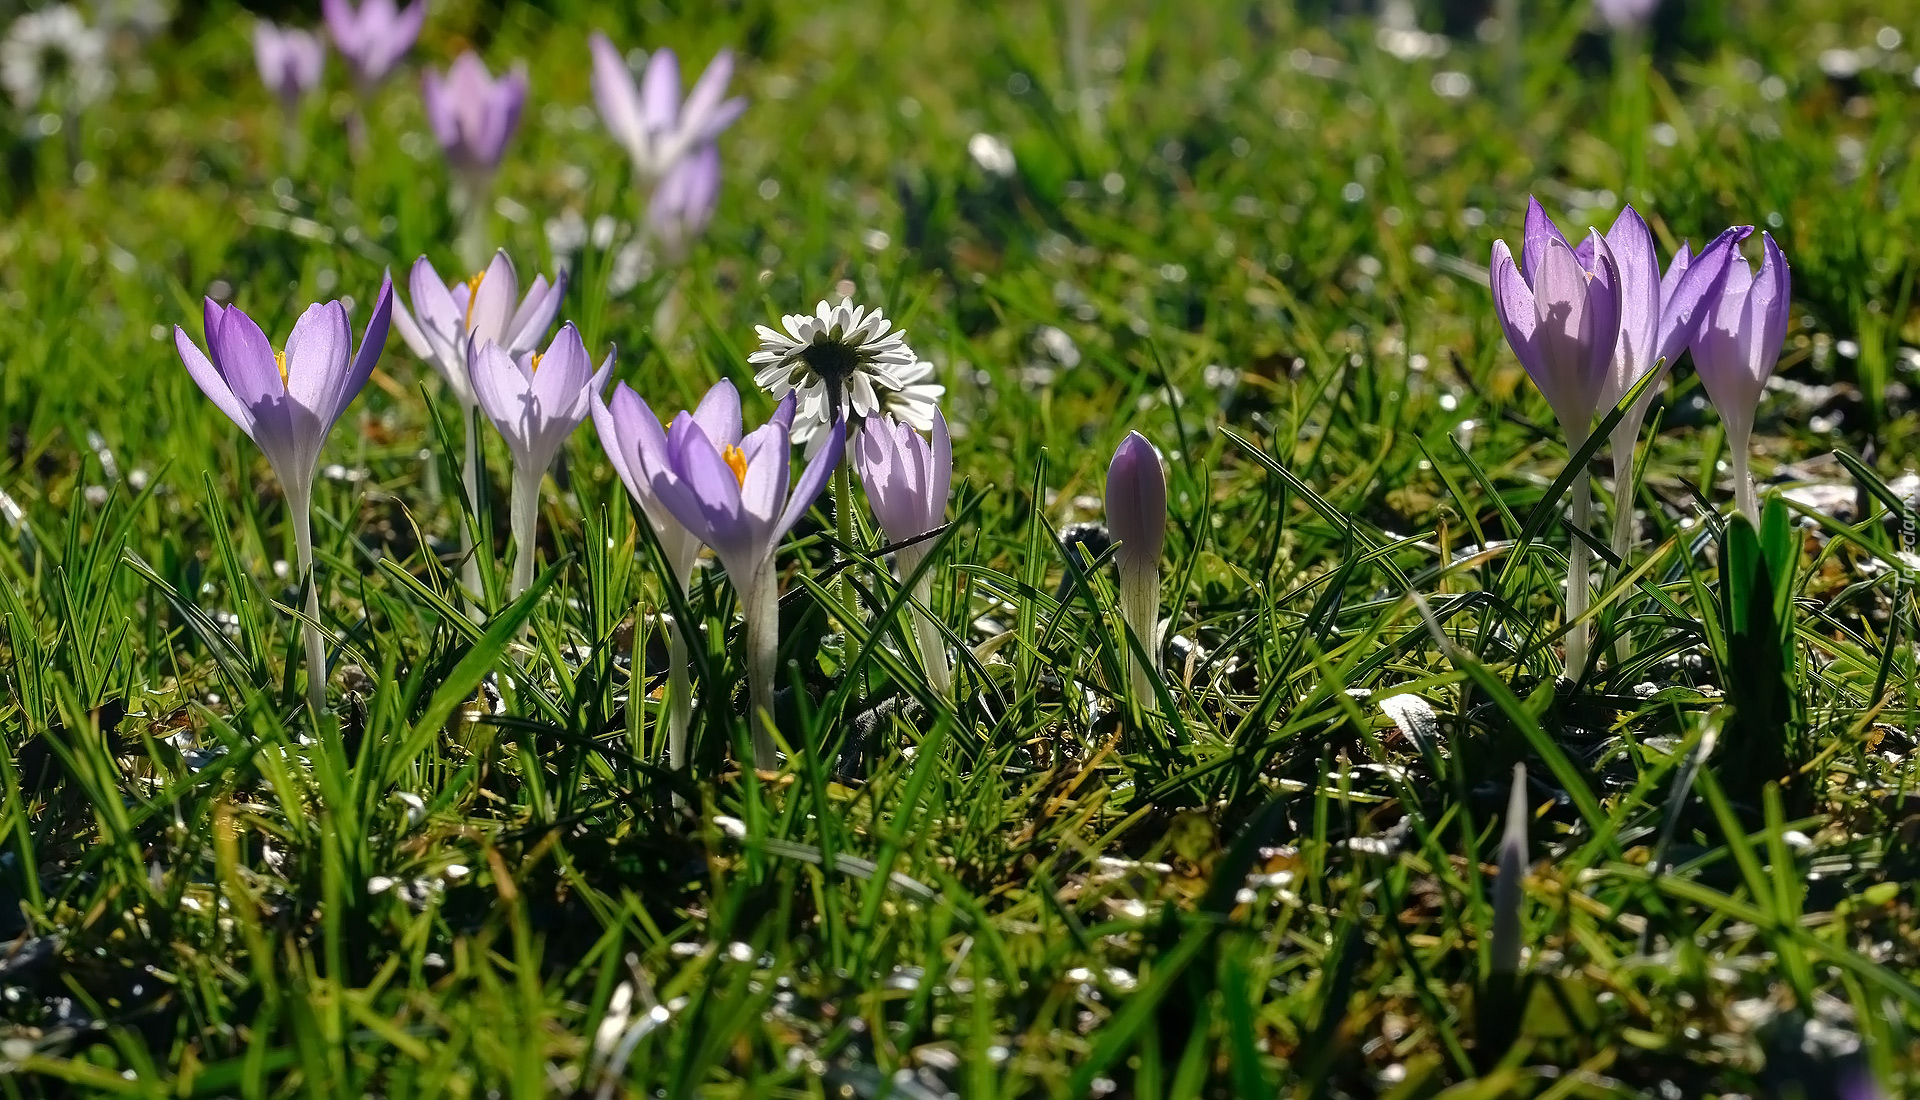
column 736, row 501
column 536, row 400
column 1561, row 309
column 1736, row 348
column 908, row 480
column 472, row 114
column 1658, row 317
column 374, row 37
column 683, row 202
column 1137, row 520
column 649, row 118
column 635, row 441
column 290, row 61
column 455, row 315
column 287, row 401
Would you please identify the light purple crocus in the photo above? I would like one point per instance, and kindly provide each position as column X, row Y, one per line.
column 1626, row 15
column 375, row 36
column 472, row 114
column 1736, row 348
column 1137, row 520
column 908, row 480
column 1561, row 309
column 649, row 118
column 290, row 61
column 635, row 441
column 535, row 400
column 1658, row 317
column 287, row 401
column 736, row 501
column 683, row 202
column 485, row 308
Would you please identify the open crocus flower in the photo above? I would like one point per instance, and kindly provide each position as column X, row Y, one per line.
column 1561, row 310
column 536, row 401
column 290, row 61
column 374, row 37
column 649, row 118
column 472, row 114
column 736, row 501
column 1736, row 348
column 287, row 401
column 1137, row 520
column 635, row 442
column 908, row 480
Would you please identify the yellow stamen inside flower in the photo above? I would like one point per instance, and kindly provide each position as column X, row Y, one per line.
column 473, row 292
column 535, row 367
column 280, row 360
column 736, row 460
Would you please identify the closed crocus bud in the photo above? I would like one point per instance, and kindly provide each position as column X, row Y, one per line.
column 472, row 114
column 908, row 480
column 1736, row 348
column 1137, row 520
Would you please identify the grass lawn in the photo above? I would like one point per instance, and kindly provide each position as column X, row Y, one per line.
column 1256, row 232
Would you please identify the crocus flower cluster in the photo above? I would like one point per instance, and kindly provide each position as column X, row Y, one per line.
column 1589, row 322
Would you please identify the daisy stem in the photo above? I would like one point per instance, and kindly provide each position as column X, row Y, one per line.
column 843, row 519
column 1579, row 565
column 760, row 604
column 526, row 509
column 926, row 633
column 302, row 505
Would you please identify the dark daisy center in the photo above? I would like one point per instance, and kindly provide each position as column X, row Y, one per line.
column 832, row 360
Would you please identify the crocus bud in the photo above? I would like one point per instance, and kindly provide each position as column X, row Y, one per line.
column 1736, row 348
column 1137, row 520
column 908, row 480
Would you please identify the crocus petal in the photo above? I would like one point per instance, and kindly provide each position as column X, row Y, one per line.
column 1513, row 304
column 373, row 341
column 614, row 92
column 537, row 311
column 1631, row 243
column 245, row 359
column 500, row 390
column 317, row 356
column 1605, row 293
column 702, row 108
column 1564, row 339
column 1137, row 503
column 208, row 379
column 1691, row 287
column 493, row 300
column 813, row 480
column 1769, row 306
column 718, row 414
column 1539, row 230
column 940, row 484
column 660, row 91
column 764, row 487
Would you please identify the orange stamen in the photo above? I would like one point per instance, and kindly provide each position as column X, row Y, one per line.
column 473, row 292
column 534, row 368
column 280, row 360
column 736, row 460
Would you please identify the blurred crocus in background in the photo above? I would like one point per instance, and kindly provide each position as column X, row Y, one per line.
column 451, row 317
column 908, row 480
column 736, row 500
column 683, row 202
column 635, row 443
column 373, row 37
column 1735, row 351
column 473, row 115
column 1561, row 313
column 535, row 400
column 1626, row 15
column 290, row 60
column 1137, row 520
column 287, row 401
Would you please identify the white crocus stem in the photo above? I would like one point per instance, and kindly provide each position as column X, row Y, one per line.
column 1140, row 607
column 525, row 512
column 301, row 502
column 760, row 604
column 470, row 481
column 1744, row 497
column 1579, row 565
column 926, row 633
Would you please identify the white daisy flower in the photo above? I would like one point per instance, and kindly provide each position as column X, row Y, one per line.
column 54, row 51
column 844, row 361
